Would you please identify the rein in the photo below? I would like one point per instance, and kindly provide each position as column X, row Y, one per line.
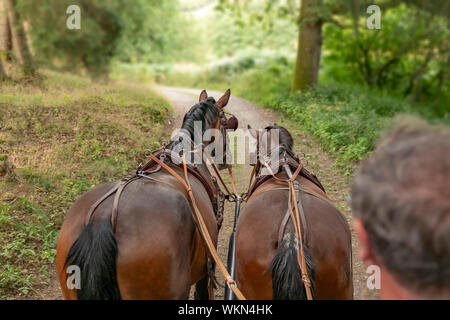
column 296, row 214
column 198, row 219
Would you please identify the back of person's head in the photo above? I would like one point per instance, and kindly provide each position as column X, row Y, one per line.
column 401, row 199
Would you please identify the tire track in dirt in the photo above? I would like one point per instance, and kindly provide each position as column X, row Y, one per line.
column 317, row 160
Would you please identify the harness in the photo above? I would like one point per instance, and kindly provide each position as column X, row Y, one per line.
column 215, row 195
column 161, row 159
column 293, row 168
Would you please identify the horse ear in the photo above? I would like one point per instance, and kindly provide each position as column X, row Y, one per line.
column 223, row 101
column 203, row 96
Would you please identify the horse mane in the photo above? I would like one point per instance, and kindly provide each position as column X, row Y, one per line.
column 285, row 137
column 205, row 111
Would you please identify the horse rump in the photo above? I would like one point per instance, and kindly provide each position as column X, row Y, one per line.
column 95, row 253
column 287, row 283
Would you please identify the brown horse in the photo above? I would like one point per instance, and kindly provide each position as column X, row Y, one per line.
column 266, row 242
column 147, row 245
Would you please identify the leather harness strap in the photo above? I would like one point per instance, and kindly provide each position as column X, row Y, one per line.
column 300, row 253
column 192, row 170
column 114, row 189
column 283, row 226
column 260, row 180
column 115, row 208
column 297, row 214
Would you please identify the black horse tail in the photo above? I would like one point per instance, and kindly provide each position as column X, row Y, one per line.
column 287, row 281
column 95, row 253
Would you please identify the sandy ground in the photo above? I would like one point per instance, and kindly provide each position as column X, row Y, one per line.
column 319, row 162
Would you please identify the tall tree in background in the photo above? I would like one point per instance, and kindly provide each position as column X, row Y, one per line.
column 5, row 32
column 21, row 48
column 309, row 45
column 308, row 15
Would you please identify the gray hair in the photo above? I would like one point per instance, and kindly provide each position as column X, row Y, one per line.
column 402, row 196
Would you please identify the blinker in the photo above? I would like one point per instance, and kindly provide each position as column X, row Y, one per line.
column 232, row 123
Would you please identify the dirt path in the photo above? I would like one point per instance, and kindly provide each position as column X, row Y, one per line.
column 318, row 161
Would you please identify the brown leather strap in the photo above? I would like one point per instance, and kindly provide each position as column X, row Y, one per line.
column 115, row 208
column 192, row 170
column 298, row 219
column 233, row 185
column 210, row 246
column 247, row 194
column 298, row 230
column 117, row 189
column 293, row 164
column 218, row 174
column 304, row 222
column 99, row 201
column 283, row 226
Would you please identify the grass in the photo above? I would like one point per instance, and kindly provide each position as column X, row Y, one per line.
column 64, row 134
column 346, row 119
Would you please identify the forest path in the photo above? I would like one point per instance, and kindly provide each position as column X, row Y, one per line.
column 318, row 161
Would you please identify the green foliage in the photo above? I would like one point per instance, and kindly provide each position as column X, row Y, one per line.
column 91, row 47
column 154, row 31
column 247, row 25
column 144, row 31
column 367, row 76
column 346, row 119
column 189, row 5
column 28, row 239
column 408, row 55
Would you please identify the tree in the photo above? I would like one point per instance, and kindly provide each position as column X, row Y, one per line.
column 5, row 32
column 310, row 15
column 146, row 31
column 20, row 45
column 309, row 45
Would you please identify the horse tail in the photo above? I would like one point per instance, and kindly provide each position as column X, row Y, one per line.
column 287, row 283
column 95, row 253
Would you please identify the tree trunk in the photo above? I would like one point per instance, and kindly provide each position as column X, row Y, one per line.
column 309, row 46
column 2, row 71
column 5, row 32
column 21, row 49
